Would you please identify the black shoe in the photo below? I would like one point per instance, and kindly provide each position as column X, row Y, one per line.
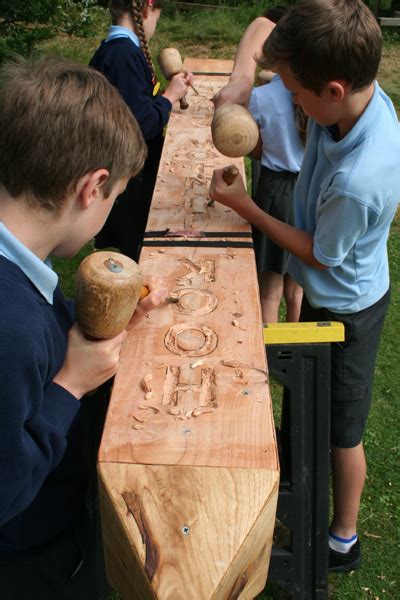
column 341, row 563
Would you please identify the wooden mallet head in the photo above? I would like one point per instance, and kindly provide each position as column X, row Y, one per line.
column 170, row 63
column 234, row 131
column 108, row 286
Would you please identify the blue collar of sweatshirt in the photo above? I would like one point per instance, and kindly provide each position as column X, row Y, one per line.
column 38, row 272
column 116, row 31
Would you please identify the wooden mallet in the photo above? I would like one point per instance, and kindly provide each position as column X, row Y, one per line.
column 234, row 131
column 170, row 63
column 108, row 288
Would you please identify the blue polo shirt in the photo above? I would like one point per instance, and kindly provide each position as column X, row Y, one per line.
column 346, row 196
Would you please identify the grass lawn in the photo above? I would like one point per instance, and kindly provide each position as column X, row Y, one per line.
column 215, row 35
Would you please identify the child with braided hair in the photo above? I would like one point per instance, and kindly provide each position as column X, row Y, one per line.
column 124, row 58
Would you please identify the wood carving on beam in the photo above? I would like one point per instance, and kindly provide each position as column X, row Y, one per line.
column 188, row 465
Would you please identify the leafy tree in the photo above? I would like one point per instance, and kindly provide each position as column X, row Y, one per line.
column 24, row 22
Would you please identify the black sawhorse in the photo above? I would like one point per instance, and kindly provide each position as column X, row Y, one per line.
column 299, row 358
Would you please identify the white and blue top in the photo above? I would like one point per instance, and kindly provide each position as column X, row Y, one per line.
column 273, row 109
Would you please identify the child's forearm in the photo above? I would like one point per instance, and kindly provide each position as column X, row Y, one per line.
column 249, row 48
column 239, row 88
column 297, row 242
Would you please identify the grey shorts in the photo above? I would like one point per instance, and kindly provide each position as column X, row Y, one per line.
column 353, row 367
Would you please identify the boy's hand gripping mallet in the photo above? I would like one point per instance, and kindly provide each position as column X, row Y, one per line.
column 108, row 286
column 229, row 175
column 170, row 63
column 108, row 289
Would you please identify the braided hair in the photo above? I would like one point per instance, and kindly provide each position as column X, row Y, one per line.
column 118, row 8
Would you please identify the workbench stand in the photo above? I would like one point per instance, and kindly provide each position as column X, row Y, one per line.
column 299, row 358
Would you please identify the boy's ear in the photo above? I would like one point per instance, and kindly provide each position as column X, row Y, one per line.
column 89, row 187
column 336, row 90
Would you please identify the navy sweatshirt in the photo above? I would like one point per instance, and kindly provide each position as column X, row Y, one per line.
column 42, row 480
column 125, row 66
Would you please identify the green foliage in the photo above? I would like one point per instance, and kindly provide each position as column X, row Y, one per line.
column 35, row 11
column 80, row 18
column 23, row 24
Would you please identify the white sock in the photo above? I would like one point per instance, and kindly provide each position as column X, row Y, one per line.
column 341, row 544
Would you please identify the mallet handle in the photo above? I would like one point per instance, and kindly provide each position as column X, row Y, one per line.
column 229, row 175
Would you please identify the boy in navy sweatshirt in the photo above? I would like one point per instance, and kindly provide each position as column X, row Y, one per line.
column 68, row 147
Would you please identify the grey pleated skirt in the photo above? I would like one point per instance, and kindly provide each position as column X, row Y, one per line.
column 274, row 194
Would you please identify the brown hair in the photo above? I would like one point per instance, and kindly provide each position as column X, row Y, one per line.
column 118, row 8
column 324, row 40
column 59, row 121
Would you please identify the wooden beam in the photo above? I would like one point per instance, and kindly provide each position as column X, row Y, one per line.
column 188, row 464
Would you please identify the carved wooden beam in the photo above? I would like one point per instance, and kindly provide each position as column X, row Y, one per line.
column 188, row 464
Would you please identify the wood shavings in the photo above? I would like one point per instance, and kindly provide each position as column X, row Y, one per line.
column 234, row 364
column 206, row 409
column 148, row 396
column 235, row 323
column 189, row 413
column 161, row 251
column 200, row 410
column 149, row 407
column 229, row 254
column 197, row 363
column 173, row 410
column 137, row 426
column 146, row 382
column 138, row 419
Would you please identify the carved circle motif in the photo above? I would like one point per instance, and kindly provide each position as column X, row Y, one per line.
column 191, row 339
column 200, row 154
column 195, row 302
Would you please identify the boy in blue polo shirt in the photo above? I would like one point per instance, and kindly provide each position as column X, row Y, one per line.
column 327, row 53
